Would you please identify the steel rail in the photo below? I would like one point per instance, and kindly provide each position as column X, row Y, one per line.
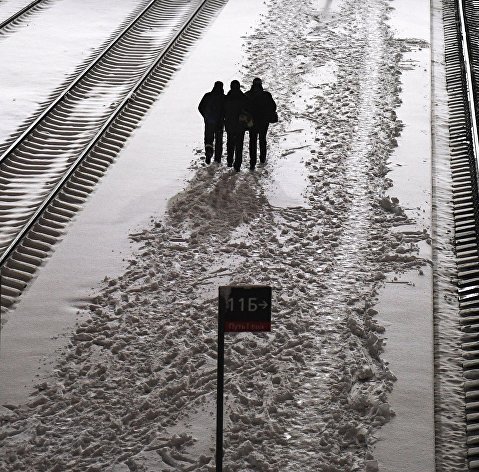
column 19, row 13
column 127, row 99
column 65, row 92
column 461, row 53
column 469, row 81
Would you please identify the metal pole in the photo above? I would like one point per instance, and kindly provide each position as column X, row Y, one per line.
column 219, row 392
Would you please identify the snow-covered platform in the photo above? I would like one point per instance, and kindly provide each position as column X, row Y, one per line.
column 120, row 323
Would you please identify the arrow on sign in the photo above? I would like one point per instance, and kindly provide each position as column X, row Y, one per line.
column 263, row 304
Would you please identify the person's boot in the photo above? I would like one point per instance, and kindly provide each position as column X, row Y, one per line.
column 208, row 153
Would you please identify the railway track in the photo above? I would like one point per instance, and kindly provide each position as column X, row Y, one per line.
column 48, row 172
column 21, row 14
column 461, row 20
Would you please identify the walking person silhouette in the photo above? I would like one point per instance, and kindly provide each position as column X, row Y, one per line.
column 211, row 108
column 235, row 105
column 263, row 108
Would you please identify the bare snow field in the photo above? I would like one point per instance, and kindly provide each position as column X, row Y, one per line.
column 341, row 210
column 66, row 36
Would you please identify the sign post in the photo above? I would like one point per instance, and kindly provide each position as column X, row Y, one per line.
column 242, row 308
column 219, row 391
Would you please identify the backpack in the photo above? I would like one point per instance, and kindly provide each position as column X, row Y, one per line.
column 246, row 119
column 273, row 117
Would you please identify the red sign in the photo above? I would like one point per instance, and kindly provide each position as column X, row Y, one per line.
column 238, row 326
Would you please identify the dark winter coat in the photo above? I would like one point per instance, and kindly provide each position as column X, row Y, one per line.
column 235, row 103
column 212, row 106
column 261, row 105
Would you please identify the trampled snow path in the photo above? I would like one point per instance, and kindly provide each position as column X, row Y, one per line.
column 135, row 387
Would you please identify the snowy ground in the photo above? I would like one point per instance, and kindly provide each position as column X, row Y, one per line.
column 66, row 36
column 406, row 304
column 133, row 387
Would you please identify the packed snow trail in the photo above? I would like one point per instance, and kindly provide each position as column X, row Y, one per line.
column 135, row 387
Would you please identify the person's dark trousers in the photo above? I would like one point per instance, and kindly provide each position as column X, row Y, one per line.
column 234, row 148
column 257, row 132
column 213, row 133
